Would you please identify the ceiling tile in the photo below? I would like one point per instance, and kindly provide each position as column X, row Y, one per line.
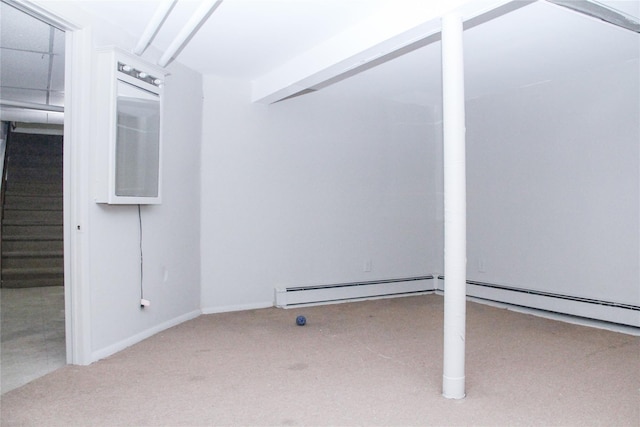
column 57, row 74
column 24, row 95
column 56, row 98
column 58, row 42
column 24, row 69
column 21, row 31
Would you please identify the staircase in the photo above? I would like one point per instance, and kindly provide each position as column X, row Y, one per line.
column 32, row 236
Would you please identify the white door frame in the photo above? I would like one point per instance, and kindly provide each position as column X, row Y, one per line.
column 76, row 177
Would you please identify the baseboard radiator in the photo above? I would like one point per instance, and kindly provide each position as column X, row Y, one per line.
column 608, row 311
column 342, row 292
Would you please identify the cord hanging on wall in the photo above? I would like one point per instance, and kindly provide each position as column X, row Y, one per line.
column 143, row 302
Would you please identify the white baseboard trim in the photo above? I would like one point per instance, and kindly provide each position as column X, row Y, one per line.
column 582, row 321
column 622, row 314
column 240, row 307
column 347, row 292
column 121, row 345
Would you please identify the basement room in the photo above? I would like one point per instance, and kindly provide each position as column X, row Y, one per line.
column 320, row 212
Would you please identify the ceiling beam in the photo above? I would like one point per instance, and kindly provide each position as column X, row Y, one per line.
column 206, row 8
column 381, row 37
column 601, row 11
column 152, row 28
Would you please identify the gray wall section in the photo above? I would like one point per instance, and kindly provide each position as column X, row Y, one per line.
column 553, row 186
column 171, row 234
column 305, row 191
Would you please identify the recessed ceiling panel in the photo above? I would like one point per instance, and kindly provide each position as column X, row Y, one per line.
column 248, row 38
column 23, row 95
column 56, row 98
column 57, row 73
column 540, row 42
column 534, row 44
column 21, row 31
column 58, row 42
column 24, row 69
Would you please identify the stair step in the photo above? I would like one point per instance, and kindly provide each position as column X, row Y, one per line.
column 33, row 232
column 32, row 273
column 33, row 148
column 33, row 175
column 33, row 282
column 27, row 238
column 16, row 202
column 7, row 240
column 33, row 254
column 28, row 264
column 35, row 144
column 40, row 245
column 34, row 222
column 33, row 189
column 18, row 160
column 23, row 216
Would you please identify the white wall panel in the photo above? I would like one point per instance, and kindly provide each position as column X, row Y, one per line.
column 554, row 186
column 307, row 191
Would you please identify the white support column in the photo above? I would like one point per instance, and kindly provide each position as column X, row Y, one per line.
column 455, row 209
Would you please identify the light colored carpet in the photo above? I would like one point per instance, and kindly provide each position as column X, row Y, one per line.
column 366, row 363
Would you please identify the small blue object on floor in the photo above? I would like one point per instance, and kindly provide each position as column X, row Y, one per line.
column 301, row 320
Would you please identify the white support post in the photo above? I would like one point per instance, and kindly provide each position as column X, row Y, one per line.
column 455, row 245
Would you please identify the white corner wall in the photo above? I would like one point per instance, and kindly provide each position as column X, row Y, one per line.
column 553, row 187
column 310, row 190
column 170, row 239
column 105, row 261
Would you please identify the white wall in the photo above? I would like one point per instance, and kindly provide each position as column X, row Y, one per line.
column 553, row 186
column 307, row 190
column 105, row 256
column 171, row 234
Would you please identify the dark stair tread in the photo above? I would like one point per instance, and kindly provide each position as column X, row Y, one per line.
column 27, row 222
column 33, row 254
column 37, row 271
column 23, row 238
column 31, row 209
column 32, row 283
column 36, row 190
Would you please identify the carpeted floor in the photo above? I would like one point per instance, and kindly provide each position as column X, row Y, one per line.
column 367, row 363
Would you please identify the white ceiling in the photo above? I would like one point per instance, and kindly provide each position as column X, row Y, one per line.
column 530, row 45
column 248, row 38
column 31, row 59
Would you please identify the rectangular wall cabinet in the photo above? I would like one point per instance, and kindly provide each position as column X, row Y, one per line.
column 128, row 163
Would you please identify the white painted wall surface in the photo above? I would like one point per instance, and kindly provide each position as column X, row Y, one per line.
column 110, row 271
column 553, row 176
column 307, row 190
column 171, row 234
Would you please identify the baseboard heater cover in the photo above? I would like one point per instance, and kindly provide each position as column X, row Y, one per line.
column 324, row 294
column 608, row 311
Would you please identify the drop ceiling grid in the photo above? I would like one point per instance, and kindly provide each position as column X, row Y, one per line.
column 26, row 49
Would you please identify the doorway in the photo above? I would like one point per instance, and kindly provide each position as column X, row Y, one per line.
column 32, row 294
